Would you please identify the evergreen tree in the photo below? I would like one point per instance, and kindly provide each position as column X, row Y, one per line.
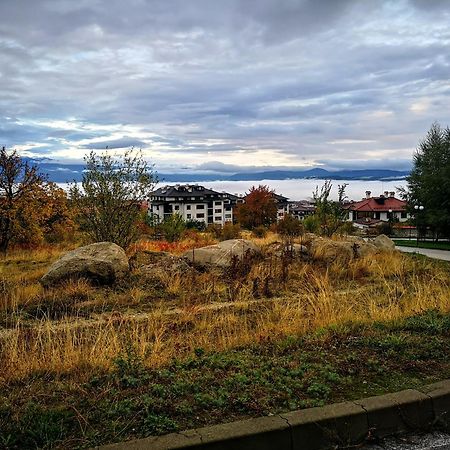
column 429, row 181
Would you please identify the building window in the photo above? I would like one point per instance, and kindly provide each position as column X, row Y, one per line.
column 404, row 215
column 200, row 206
column 217, row 211
column 188, row 216
column 227, row 208
column 227, row 216
column 177, row 207
column 218, row 219
column 218, row 203
column 188, row 207
column 200, row 216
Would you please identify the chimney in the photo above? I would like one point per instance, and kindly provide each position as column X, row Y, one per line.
column 386, row 193
column 392, row 194
column 368, row 194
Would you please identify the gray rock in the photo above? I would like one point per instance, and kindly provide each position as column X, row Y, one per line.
column 158, row 264
column 382, row 242
column 221, row 254
column 103, row 263
column 328, row 251
column 364, row 249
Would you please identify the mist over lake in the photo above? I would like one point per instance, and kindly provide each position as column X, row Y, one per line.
column 299, row 189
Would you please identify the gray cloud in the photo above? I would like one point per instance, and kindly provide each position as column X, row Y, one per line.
column 125, row 142
column 276, row 84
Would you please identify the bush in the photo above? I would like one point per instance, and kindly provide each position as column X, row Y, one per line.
column 223, row 233
column 312, row 224
column 230, row 231
column 215, row 229
column 195, row 225
column 260, row 231
column 290, row 226
column 173, row 227
column 347, row 228
column 384, row 228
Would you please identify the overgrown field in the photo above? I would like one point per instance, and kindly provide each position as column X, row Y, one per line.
column 82, row 365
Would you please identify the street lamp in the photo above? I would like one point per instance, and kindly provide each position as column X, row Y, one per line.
column 390, row 221
column 418, row 208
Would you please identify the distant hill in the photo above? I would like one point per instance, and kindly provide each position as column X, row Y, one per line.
column 63, row 173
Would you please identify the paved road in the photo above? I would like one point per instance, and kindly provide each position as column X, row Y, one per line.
column 431, row 253
column 432, row 441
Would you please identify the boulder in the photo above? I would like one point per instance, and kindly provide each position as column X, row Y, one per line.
column 221, row 254
column 278, row 248
column 383, row 243
column 102, row 263
column 329, row 251
column 158, row 264
column 352, row 238
column 364, row 249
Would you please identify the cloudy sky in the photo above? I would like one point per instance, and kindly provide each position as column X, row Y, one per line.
column 225, row 85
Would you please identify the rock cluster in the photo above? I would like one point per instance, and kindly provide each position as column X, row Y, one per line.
column 105, row 262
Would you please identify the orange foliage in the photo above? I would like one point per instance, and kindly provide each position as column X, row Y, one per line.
column 259, row 208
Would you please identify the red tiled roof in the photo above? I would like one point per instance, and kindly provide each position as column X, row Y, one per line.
column 378, row 204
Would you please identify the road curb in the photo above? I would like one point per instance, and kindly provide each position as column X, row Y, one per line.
column 332, row 426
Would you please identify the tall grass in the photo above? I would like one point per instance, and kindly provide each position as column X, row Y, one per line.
column 314, row 295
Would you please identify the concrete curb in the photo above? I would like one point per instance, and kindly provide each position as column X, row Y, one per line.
column 333, row 426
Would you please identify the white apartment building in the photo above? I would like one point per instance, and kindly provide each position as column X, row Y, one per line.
column 192, row 202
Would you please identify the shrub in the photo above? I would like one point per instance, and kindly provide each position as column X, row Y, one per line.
column 289, row 226
column 347, row 228
column 312, row 224
column 230, row 231
column 173, row 227
column 260, row 231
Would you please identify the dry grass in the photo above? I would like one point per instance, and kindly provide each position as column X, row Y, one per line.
column 77, row 327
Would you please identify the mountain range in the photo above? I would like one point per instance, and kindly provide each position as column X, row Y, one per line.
column 63, row 173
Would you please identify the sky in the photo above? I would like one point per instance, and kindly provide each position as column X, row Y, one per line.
column 225, row 86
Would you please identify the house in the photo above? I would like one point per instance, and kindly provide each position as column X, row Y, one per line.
column 371, row 211
column 282, row 205
column 302, row 209
column 192, row 202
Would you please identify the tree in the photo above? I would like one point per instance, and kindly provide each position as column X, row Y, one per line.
column 43, row 214
column 429, row 181
column 329, row 214
column 111, row 194
column 260, row 208
column 18, row 179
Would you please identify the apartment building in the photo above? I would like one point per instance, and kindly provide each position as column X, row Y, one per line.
column 192, row 202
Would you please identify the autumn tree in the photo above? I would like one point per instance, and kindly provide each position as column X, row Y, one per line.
column 18, row 179
column 111, row 194
column 260, row 208
column 44, row 214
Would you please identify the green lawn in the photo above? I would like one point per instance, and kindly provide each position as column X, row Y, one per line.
column 331, row 365
column 425, row 244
